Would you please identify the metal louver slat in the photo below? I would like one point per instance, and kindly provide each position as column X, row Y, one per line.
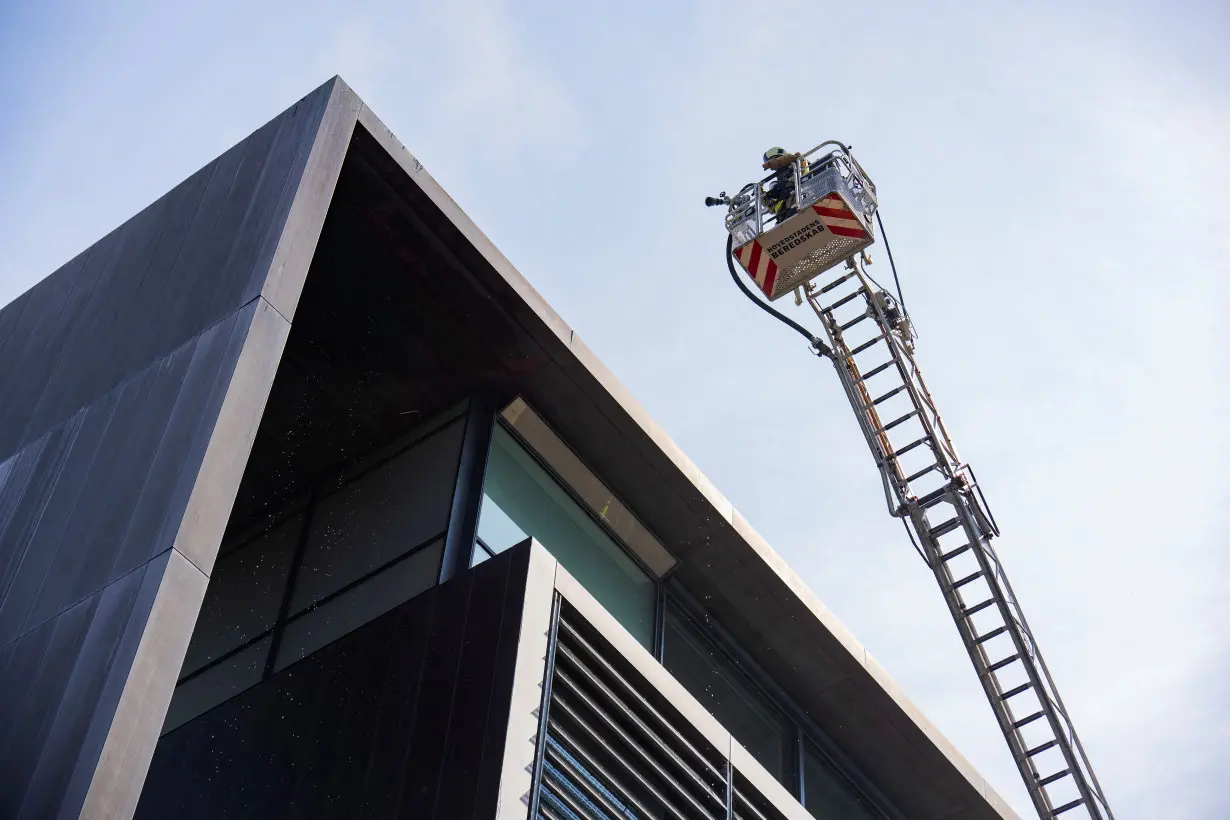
column 648, row 733
column 653, row 765
column 558, row 793
column 631, row 769
column 589, row 761
column 744, row 810
column 641, row 700
column 613, row 747
column 593, row 788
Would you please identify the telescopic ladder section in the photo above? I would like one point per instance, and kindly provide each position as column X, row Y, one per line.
column 936, row 494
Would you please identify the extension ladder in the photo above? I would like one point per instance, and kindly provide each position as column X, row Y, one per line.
column 938, row 498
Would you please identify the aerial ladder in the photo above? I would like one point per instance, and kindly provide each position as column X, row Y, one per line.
column 804, row 231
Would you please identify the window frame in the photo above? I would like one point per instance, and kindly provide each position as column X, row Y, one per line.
column 584, row 507
column 572, row 494
column 747, row 670
column 805, row 731
column 305, row 504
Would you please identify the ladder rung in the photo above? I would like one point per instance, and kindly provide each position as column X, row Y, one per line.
column 867, row 345
column 1039, row 749
column 948, row 556
column 837, row 282
column 907, row 448
column 1078, row 801
column 877, row 369
column 1016, row 691
column 994, row 633
column 932, row 498
column 853, row 322
column 970, row 610
column 1059, row 775
column 847, row 298
column 998, row 665
column 898, row 421
column 967, row 579
column 940, row 530
column 1025, row 721
column 921, row 473
column 888, row 395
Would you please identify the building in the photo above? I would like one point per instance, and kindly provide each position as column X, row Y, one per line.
column 311, row 507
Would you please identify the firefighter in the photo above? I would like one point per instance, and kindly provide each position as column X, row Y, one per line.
column 779, row 195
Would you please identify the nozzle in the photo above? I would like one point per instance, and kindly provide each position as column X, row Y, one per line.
column 720, row 199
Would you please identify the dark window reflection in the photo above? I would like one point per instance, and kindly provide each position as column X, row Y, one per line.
column 825, row 794
column 373, row 543
column 722, row 688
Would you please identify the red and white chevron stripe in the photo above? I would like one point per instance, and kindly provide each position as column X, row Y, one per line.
column 838, row 217
column 759, row 265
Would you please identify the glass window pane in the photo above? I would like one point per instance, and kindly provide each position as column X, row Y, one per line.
column 366, row 602
column 198, row 695
column 244, row 594
column 495, row 528
column 522, row 499
column 379, row 516
column 479, row 554
column 719, row 686
column 825, row 796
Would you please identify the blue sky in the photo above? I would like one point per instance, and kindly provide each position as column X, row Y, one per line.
column 1054, row 180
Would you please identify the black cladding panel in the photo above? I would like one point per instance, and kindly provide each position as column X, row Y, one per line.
column 113, row 372
column 405, row 717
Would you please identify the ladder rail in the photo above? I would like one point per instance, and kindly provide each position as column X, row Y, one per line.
column 960, row 490
column 1025, row 647
column 1051, row 691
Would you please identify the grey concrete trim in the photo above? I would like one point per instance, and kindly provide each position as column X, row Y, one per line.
column 117, row 780
column 525, row 705
column 414, row 169
column 313, row 195
column 120, row 773
column 637, row 413
column 209, row 505
column 655, row 674
column 765, row 783
column 603, row 503
column 790, row 578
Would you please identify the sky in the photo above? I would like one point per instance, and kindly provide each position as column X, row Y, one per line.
column 1054, row 179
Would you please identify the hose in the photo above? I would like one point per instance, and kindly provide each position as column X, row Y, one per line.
column 888, row 249
column 817, row 344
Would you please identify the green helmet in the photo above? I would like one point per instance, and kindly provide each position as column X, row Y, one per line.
column 775, row 151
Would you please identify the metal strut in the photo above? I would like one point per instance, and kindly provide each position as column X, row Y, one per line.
column 936, row 493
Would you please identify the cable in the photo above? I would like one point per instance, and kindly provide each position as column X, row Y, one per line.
column 817, row 344
column 917, row 548
column 891, row 263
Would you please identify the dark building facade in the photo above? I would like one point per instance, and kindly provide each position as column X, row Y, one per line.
column 311, row 507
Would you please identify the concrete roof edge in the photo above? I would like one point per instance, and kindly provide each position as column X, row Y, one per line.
column 440, row 198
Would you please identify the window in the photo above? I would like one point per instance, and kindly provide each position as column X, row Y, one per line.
column 370, row 544
column 379, row 516
column 521, row 500
column 337, row 616
column 244, row 594
column 724, row 689
column 587, row 488
column 825, row 794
